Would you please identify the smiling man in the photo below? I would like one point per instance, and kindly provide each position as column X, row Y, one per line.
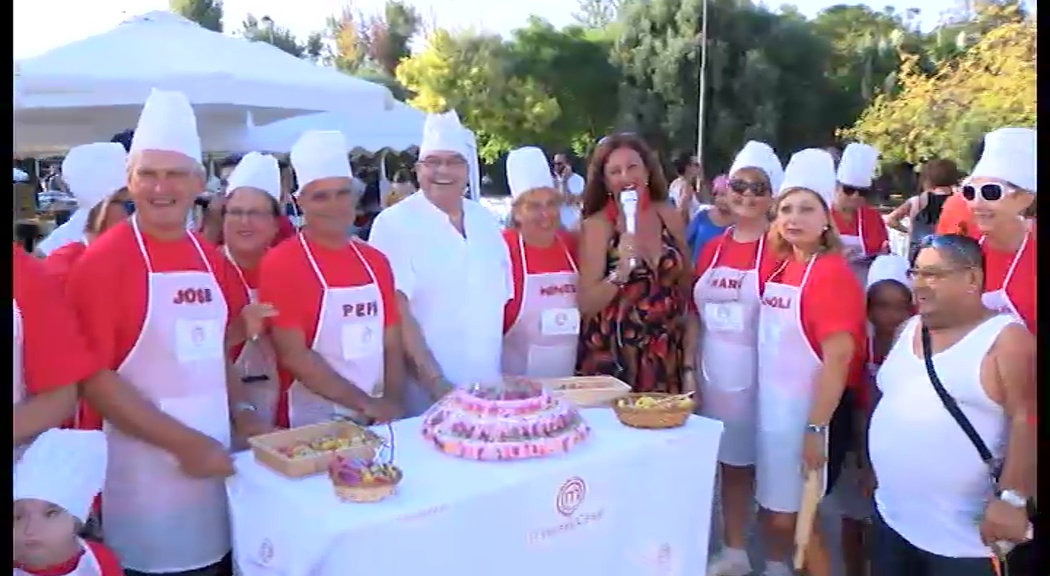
column 451, row 267
column 158, row 304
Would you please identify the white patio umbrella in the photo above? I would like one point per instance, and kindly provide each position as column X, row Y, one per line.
column 398, row 129
column 90, row 89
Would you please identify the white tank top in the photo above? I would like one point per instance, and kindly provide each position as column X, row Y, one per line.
column 932, row 484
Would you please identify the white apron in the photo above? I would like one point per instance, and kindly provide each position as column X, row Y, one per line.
column 87, row 565
column 787, row 366
column 853, row 249
column 998, row 300
column 257, row 363
column 158, row 519
column 541, row 343
column 728, row 303
column 18, row 378
column 349, row 337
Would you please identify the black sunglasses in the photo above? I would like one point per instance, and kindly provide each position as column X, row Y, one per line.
column 990, row 191
column 852, row 190
column 965, row 250
column 742, row 186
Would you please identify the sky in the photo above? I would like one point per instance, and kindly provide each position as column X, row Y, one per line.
column 44, row 24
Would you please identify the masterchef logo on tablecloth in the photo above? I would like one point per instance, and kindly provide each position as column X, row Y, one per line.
column 569, row 504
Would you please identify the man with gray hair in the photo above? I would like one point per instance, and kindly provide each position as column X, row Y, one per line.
column 162, row 307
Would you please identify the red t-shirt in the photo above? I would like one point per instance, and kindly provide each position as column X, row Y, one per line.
column 832, row 301
column 60, row 261
column 108, row 288
column 876, row 238
column 107, row 562
column 553, row 258
column 54, row 350
column 1022, row 289
column 956, row 218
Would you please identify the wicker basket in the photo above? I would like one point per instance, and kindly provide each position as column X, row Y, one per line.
column 367, row 494
column 670, row 417
column 587, row 391
column 266, row 447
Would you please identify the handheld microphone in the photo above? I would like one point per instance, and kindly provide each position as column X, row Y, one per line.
column 629, row 206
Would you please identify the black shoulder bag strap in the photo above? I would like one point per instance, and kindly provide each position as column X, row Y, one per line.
column 954, row 410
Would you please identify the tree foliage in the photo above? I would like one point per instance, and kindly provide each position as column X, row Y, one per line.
column 596, row 14
column 207, row 13
column 990, row 85
column 266, row 30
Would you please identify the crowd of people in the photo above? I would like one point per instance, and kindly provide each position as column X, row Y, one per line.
column 791, row 322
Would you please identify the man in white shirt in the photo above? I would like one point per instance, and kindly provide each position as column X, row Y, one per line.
column 571, row 185
column 451, row 270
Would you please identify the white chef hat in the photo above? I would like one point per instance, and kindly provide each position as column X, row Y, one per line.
column 857, row 166
column 759, row 155
column 320, row 154
column 889, row 267
column 527, row 169
column 259, row 171
column 64, row 467
column 812, row 169
column 1009, row 154
column 167, row 122
column 444, row 133
column 92, row 172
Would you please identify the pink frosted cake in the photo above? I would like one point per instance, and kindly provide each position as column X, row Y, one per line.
column 511, row 420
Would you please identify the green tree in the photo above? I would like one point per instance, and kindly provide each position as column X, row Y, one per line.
column 766, row 77
column 265, row 30
column 371, row 47
column 597, row 14
column 472, row 72
column 207, row 13
column 575, row 70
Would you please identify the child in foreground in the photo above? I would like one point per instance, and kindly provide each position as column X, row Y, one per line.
column 55, row 483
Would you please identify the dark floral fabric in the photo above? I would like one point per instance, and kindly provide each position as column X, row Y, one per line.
column 638, row 337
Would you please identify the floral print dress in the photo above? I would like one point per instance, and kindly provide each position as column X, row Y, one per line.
column 638, row 337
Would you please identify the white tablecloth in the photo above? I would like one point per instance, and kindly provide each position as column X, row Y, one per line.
column 625, row 503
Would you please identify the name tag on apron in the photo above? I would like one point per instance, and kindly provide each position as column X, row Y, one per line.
column 197, row 340
column 362, row 340
column 724, row 316
column 560, row 322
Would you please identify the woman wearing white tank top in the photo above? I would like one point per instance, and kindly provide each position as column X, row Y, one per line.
column 938, row 508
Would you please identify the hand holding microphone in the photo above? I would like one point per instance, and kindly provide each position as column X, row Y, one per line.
column 626, row 247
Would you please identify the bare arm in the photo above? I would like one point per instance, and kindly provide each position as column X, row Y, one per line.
column 909, row 208
column 393, row 365
column 122, row 405
column 1012, row 375
column 312, row 371
column 594, row 292
column 417, row 354
column 837, row 351
column 43, row 411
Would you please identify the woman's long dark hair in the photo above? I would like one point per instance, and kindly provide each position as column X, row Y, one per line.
column 596, row 194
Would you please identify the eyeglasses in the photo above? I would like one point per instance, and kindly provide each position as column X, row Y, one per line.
column 249, row 214
column 852, row 190
column 434, row 163
column 756, row 188
column 963, row 248
column 990, row 191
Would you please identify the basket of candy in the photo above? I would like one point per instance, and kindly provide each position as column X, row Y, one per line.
column 587, row 391
column 654, row 410
column 307, row 450
column 364, row 480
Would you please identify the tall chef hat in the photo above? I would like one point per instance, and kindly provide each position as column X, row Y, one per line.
column 92, row 172
column 64, row 467
column 527, row 169
column 320, row 154
column 857, row 166
column 812, row 169
column 889, row 267
column 1009, row 154
column 444, row 133
column 259, row 171
column 759, row 155
column 167, row 123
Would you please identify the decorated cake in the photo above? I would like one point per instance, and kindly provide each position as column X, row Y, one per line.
column 508, row 420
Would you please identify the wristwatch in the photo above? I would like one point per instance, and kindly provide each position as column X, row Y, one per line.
column 816, row 428
column 1014, row 499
